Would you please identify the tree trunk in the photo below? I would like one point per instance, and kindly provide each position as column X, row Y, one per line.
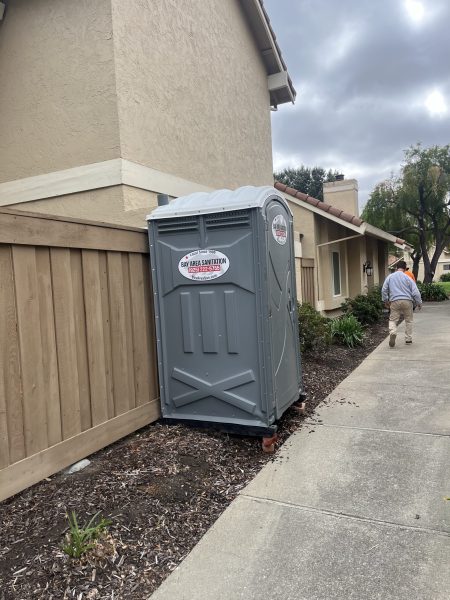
column 428, row 275
column 416, row 256
column 438, row 250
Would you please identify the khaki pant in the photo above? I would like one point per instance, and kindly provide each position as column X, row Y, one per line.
column 401, row 308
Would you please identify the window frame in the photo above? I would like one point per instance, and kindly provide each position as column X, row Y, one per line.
column 336, row 252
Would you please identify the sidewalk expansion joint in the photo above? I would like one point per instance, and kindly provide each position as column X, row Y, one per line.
column 417, row 386
column 348, row 516
column 331, row 426
column 408, row 359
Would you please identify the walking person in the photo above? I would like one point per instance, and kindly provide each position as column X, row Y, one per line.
column 410, row 275
column 400, row 294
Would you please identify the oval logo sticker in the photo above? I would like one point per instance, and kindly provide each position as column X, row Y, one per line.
column 203, row 265
column 279, row 229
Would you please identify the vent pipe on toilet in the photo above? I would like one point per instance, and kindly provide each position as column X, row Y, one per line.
column 163, row 199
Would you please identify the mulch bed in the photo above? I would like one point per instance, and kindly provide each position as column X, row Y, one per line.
column 162, row 488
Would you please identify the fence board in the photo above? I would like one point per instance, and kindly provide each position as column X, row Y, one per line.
column 4, row 442
column 141, row 333
column 10, row 359
column 120, row 346
column 48, row 341
column 28, row 315
column 150, row 325
column 66, row 341
column 80, row 339
column 104, row 293
column 127, row 293
column 95, row 337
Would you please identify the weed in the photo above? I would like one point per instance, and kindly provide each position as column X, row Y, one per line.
column 80, row 540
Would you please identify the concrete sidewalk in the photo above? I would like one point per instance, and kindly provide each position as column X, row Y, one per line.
column 354, row 506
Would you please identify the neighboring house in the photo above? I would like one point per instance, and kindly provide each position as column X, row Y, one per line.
column 337, row 254
column 442, row 267
column 105, row 104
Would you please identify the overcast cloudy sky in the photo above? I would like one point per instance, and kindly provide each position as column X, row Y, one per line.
column 372, row 78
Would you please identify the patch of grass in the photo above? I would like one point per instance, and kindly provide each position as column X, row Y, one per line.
column 80, row 540
column 446, row 286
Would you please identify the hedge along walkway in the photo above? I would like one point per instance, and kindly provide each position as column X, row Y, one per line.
column 355, row 506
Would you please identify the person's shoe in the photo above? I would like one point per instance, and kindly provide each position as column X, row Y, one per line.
column 392, row 340
column 408, row 342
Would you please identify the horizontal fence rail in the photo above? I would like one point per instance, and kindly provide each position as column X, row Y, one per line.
column 77, row 345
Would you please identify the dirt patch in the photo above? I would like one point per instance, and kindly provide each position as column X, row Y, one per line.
column 162, row 487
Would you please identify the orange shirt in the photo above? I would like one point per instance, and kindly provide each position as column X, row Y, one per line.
column 411, row 275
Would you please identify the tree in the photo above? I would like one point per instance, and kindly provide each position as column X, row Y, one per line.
column 425, row 197
column 416, row 205
column 306, row 179
column 382, row 211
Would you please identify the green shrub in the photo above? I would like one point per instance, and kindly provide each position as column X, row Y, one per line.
column 432, row 292
column 346, row 330
column 445, row 277
column 367, row 309
column 374, row 296
column 313, row 328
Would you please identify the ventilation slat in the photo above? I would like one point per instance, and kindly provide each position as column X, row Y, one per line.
column 236, row 218
column 176, row 225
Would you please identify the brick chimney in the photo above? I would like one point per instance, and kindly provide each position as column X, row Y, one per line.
column 343, row 194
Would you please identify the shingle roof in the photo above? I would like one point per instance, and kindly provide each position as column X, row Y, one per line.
column 327, row 208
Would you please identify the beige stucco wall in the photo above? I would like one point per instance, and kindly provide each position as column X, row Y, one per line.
column 342, row 194
column 304, row 224
column 192, row 91
column 118, row 204
column 356, row 258
column 57, row 86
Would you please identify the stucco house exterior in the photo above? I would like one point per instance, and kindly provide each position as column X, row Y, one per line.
column 337, row 254
column 442, row 267
column 105, row 104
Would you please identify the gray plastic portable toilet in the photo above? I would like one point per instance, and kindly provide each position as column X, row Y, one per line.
column 225, row 308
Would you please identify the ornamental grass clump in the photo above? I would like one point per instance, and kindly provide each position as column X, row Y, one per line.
column 80, row 540
column 347, row 331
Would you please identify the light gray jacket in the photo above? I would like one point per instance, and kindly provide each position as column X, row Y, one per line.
column 399, row 286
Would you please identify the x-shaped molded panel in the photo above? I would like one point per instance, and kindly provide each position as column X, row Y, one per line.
column 219, row 389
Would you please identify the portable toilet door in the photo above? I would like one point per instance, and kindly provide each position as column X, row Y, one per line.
column 281, row 288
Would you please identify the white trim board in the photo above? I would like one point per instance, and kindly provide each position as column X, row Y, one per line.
column 108, row 173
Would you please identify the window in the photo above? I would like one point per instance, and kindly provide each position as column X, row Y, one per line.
column 446, row 267
column 336, row 266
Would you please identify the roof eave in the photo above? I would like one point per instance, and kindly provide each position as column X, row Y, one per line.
column 266, row 42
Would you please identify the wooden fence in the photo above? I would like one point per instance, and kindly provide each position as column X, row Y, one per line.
column 307, row 279
column 77, row 347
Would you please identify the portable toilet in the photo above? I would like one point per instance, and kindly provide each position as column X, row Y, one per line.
column 225, row 307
